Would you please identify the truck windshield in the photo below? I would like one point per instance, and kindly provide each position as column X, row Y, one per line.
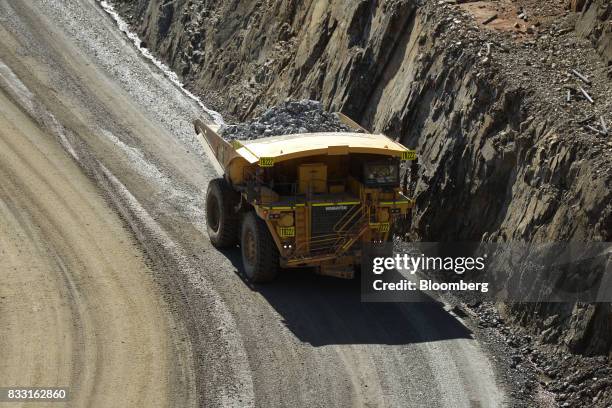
column 381, row 174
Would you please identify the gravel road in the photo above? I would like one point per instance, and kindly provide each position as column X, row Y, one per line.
column 111, row 286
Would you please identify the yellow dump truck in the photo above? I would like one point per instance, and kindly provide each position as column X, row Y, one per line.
column 304, row 200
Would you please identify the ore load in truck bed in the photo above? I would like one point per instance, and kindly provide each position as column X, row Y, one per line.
column 291, row 117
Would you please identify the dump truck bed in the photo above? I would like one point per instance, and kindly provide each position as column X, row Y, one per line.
column 274, row 149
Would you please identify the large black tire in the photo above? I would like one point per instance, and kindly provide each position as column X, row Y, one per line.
column 222, row 220
column 259, row 252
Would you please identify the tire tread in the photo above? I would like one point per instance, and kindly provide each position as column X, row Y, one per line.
column 229, row 228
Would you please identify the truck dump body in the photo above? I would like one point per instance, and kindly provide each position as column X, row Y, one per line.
column 287, row 147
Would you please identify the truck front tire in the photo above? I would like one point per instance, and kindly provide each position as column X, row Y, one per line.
column 259, row 252
column 222, row 220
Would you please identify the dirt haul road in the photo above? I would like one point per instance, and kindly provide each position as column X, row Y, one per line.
column 110, row 285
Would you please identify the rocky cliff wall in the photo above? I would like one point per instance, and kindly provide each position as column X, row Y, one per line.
column 595, row 23
column 493, row 110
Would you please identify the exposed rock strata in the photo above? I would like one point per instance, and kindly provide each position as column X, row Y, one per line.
column 595, row 23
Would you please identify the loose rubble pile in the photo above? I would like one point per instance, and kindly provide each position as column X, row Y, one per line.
column 572, row 380
column 290, row 117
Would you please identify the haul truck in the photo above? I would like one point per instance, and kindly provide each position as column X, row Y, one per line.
column 303, row 200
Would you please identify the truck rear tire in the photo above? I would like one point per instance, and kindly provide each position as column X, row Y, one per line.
column 259, row 252
column 222, row 220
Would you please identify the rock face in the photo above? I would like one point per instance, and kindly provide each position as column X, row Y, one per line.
column 594, row 24
column 494, row 111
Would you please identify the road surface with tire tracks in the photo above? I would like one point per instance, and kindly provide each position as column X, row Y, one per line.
column 110, row 285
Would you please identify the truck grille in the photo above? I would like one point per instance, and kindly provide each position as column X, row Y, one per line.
column 324, row 219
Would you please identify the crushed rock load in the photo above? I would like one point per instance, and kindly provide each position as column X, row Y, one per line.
column 290, row 117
